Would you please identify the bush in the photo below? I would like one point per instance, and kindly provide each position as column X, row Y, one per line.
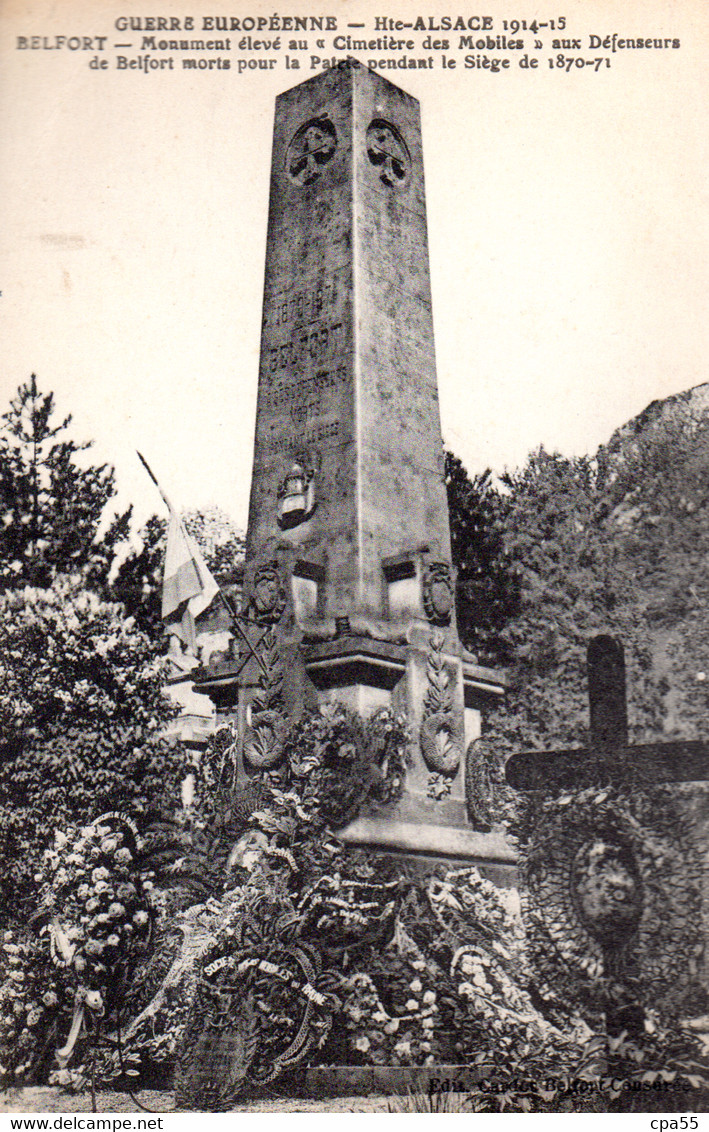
column 82, row 713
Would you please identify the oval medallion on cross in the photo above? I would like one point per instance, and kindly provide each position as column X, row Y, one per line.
column 607, row 890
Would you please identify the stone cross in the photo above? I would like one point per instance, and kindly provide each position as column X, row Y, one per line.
column 593, row 880
column 609, row 758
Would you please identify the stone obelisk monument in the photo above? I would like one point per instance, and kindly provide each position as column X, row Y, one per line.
column 348, row 406
column 348, row 547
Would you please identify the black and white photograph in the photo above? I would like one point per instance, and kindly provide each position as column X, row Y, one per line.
column 354, row 560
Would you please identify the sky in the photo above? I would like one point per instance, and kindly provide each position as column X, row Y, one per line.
column 567, row 212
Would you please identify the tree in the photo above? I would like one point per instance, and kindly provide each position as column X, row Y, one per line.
column 50, row 506
column 487, row 590
column 82, row 715
column 138, row 579
column 656, row 475
column 576, row 580
column 220, row 540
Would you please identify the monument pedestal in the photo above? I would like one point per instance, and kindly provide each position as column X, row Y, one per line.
column 366, row 675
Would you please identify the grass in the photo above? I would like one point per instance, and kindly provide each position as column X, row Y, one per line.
column 429, row 1102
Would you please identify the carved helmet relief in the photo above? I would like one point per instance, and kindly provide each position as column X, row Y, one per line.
column 387, row 151
column 296, row 500
column 311, row 148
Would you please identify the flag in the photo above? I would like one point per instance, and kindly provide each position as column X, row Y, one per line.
column 188, row 587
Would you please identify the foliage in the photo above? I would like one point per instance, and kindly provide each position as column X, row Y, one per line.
column 82, row 712
column 449, row 984
column 333, row 764
column 655, row 476
column 658, row 1073
column 573, row 585
column 90, row 878
column 438, row 1101
column 664, row 1062
column 32, row 998
column 137, row 583
column 301, row 949
column 336, row 762
column 409, row 968
column 190, row 851
column 158, row 996
column 487, row 590
column 412, row 969
column 52, row 506
column 614, row 543
column 220, row 540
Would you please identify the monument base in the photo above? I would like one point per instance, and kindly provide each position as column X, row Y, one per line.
column 490, row 853
column 367, row 675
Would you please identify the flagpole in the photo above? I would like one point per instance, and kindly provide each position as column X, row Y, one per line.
column 233, row 615
column 235, row 620
column 150, row 472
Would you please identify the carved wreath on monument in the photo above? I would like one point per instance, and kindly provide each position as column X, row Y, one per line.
column 442, row 729
column 263, row 737
column 387, row 151
column 479, row 790
column 311, row 148
column 613, row 892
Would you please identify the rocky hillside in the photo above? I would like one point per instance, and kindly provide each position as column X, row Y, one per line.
column 660, row 459
column 616, row 543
